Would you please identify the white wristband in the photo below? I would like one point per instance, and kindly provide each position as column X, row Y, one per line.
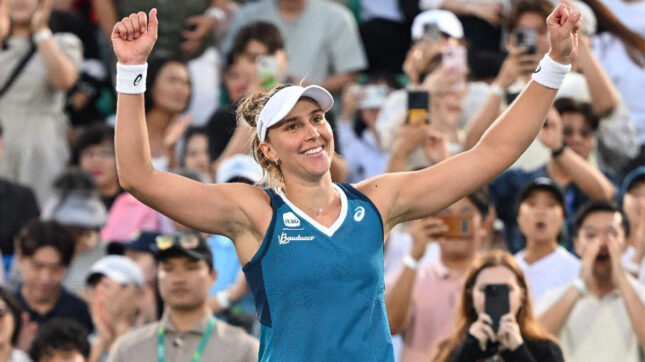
column 410, row 262
column 131, row 79
column 223, row 299
column 41, row 35
column 217, row 13
column 579, row 284
column 550, row 73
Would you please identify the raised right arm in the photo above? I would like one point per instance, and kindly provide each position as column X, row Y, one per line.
column 209, row 208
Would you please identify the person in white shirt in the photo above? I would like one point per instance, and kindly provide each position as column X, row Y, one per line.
column 600, row 315
column 540, row 216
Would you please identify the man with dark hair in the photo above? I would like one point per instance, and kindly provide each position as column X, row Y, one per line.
column 60, row 339
column 600, row 316
column 17, row 206
column 44, row 252
column 187, row 328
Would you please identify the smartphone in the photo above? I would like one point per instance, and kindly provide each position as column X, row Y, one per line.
column 267, row 71
column 526, row 37
column 458, row 227
column 431, row 32
column 454, row 57
column 496, row 303
column 418, row 106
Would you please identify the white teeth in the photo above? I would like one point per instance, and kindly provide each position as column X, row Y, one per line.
column 313, row 150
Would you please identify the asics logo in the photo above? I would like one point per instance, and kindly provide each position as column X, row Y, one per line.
column 290, row 220
column 137, row 80
column 286, row 239
column 359, row 213
column 539, row 68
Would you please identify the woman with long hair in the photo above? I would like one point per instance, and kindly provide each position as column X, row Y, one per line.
column 518, row 338
column 312, row 250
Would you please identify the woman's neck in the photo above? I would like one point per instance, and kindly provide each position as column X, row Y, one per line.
column 317, row 199
column 5, row 350
column 536, row 250
column 20, row 30
column 109, row 190
column 158, row 121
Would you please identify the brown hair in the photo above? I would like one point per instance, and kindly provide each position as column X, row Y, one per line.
column 247, row 111
column 541, row 7
column 466, row 314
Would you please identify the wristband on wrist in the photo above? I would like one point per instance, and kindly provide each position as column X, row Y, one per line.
column 224, row 299
column 559, row 151
column 496, row 89
column 550, row 73
column 580, row 285
column 131, row 79
column 410, row 262
column 216, row 13
column 41, row 35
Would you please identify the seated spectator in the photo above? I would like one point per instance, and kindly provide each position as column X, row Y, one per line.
column 78, row 207
column 115, row 284
column 600, row 316
column 61, row 340
column 169, row 83
column 420, row 298
column 44, row 251
column 540, row 217
column 10, row 323
column 357, row 133
column 17, row 206
column 321, row 39
column 195, row 155
column 32, row 104
column 518, row 338
column 633, row 201
column 185, row 275
column 577, row 177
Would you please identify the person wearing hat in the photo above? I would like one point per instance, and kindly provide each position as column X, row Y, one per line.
column 540, row 216
column 187, row 328
column 632, row 193
column 115, row 284
column 312, row 250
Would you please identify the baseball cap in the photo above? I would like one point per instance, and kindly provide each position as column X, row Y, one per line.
column 141, row 241
column 373, row 96
column 446, row 21
column 239, row 166
column 190, row 244
column 635, row 175
column 283, row 101
column 118, row 268
column 541, row 183
column 80, row 208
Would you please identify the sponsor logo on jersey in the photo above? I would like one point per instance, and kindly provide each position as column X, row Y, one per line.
column 284, row 239
column 290, row 220
column 359, row 213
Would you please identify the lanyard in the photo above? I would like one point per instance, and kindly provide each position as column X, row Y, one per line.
column 161, row 342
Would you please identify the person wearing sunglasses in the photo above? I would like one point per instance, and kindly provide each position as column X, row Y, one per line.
column 10, row 323
column 187, row 330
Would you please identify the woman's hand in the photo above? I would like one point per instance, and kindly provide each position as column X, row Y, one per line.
column 564, row 24
column 509, row 334
column 5, row 20
column 436, row 145
column 483, row 331
column 40, row 19
column 133, row 37
column 516, row 63
column 424, row 231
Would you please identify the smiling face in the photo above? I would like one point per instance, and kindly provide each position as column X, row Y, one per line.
column 540, row 217
column 302, row 143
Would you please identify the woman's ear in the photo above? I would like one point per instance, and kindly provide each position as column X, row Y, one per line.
column 269, row 152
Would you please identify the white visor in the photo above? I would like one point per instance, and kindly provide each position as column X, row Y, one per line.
column 281, row 103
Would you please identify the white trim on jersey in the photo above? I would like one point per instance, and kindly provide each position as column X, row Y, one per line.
column 329, row 231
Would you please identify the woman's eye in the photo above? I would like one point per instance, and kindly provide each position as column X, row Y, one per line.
column 318, row 119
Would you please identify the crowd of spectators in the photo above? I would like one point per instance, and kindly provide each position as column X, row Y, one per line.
column 90, row 273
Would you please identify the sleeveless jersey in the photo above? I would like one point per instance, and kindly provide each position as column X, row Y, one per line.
column 319, row 291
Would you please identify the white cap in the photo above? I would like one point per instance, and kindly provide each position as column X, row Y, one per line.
column 118, row 268
column 281, row 103
column 239, row 165
column 373, row 96
column 446, row 21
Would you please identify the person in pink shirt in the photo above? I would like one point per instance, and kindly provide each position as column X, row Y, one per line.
column 421, row 299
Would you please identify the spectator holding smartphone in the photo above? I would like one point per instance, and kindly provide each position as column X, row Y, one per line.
column 518, row 338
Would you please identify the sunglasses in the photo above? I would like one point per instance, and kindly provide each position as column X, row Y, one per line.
column 184, row 241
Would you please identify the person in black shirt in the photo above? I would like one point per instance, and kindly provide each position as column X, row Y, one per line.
column 44, row 252
column 518, row 337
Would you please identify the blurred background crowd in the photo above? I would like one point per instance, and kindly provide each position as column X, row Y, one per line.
column 86, row 267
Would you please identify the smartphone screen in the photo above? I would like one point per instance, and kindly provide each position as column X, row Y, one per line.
column 418, row 106
column 267, row 70
column 526, row 37
column 454, row 57
column 458, row 226
column 431, row 31
column 496, row 302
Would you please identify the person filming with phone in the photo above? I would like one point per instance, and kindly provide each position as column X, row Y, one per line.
column 495, row 319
